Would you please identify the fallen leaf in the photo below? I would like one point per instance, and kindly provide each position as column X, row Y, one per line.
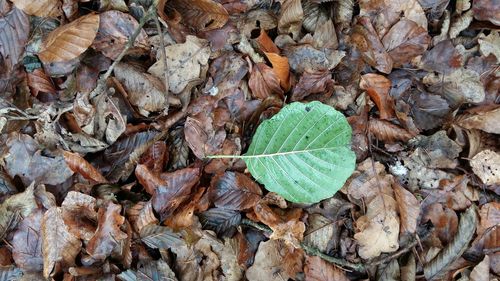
column 386, row 131
column 313, row 84
column 290, row 18
column 155, row 157
column 317, row 269
column 408, row 207
column 325, row 36
column 320, row 232
column 79, row 165
column 38, row 81
column 184, row 61
column 59, row 247
column 444, row 219
column 486, row 10
column 490, row 45
column 481, row 271
column 201, row 14
column 69, row 41
column 264, row 82
column 26, row 243
column 281, row 68
column 79, row 215
column 378, row 87
column 486, row 165
column 14, row 207
column 489, row 215
column 221, row 220
column 115, row 29
column 405, row 40
column 481, row 118
column 108, row 233
column 304, row 57
column 161, row 237
column 145, row 91
column 443, row 58
column 233, row 190
column 44, row 8
column 141, row 215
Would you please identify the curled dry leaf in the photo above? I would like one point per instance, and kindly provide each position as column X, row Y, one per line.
column 38, row 81
column 201, row 14
column 184, row 61
column 290, row 18
column 14, row 207
column 115, row 29
column 69, row 41
column 78, row 211
column 408, row 207
column 314, row 83
column 79, row 165
column 378, row 87
column 266, row 44
column 233, row 190
column 43, row 8
column 486, row 165
column 107, row 235
column 264, row 82
column 59, row 247
column 281, row 68
column 386, row 131
column 317, row 269
column 141, row 215
column 145, row 91
column 489, row 217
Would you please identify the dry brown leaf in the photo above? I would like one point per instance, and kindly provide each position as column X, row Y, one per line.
column 316, row 83
column 379, row 228
column 184, row 61
column 388, row 132
column 486, row 165
column 145, row 91
column 42, row 8
column 108, row 234
column 481, row 271
column 325, row 36
column 290, row 18
column 201, row 14
column 78, row 211
column 378, row 87
column 266, row 44
column 281, row 68
column 26, row 243
column 405, row 40
column 482, row 118
column 487, row 10
column 141, row 214
column 320, row 232
column 79, row 165
column 444, row 219
column 14, row 207
column 317, row 269
column 69, row 41
column 38, row 81
column 233, row 190
column 408, row 207
column 155, row 157
column 59, row 246
column 489, row 217
column 115, row 29
column 264, row 82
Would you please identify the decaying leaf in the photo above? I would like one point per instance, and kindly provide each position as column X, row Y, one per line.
column 486, row 165
column 233, row 190
column 44, row 8
column 317, row 269
column 26, row 243
column 482, row 118
column 490, row 44
column 184, row 61
column 290, row 19
column 15, row 207
column 264, row 82
column 405, row 40
column 201, row 14
column 69, row 41
column 377, row 87
column 79, row 165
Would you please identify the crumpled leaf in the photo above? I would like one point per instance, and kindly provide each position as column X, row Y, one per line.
column 313, row 83
column 460, row 23
column 489, row 217
column 107, row 235
column 38, row 81
column 141, row 215
column 115, row 29
column 486, row 10
column 26, row 243
column 482, row 118
column 405, row 40
column 317, row 269
column 69, row 41
column 201, row 14
column 59, row 246
column 78, row 211
column 24, row 158
column 264, row 82
column 233, row 190
column 145, row 91
column 490, row 44
column 221, row 220
column 43, row 8
column 79, row 165
column 184, row 61
column 460, row 86
column 378, row 87
column 305, row 57
column 290, row 18
column 455, row 248
column 486, row 165
column 14, row 207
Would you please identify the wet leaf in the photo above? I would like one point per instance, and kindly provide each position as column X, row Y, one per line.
column 221, row 220
column 69, row 41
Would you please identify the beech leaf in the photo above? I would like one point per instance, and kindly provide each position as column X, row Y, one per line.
column 303, row 153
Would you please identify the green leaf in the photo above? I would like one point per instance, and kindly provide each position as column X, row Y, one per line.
column 302, row 153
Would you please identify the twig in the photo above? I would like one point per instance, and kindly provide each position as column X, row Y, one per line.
column 130, row 43
column 311, row 250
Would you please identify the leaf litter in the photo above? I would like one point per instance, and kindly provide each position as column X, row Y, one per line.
column 132, row 140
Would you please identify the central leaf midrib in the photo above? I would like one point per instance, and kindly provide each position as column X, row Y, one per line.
column 287, row 152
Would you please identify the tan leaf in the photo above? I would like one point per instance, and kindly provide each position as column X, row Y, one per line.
column 14, row 207
column 378, row 87
column 264, row 82
column 319, row 232
column 69, row 41
column 38, row 81
column 78, row 211
column 79, row 165
column 115, row 29
column 388, row 132
column 325, row 36
column 489, row 216
column 266, row 44
column 486, row 165
column 408, row 206
column 379, row 228
column 201, row 14
column 184, row 61
column 26, row 243
column 460, row 23
column 145, row 91
column 107, row 235
column 481, row 271
column 42, row 8
column 269, row 260
column 317, row 269
column 290, row 18
column 484, row 118
column 59, row 246
column 282, row 69
column 141, row 214
column 490, row 44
